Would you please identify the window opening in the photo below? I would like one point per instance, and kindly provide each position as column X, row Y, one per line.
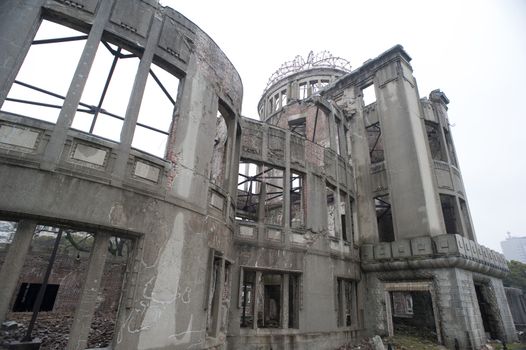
column 276, row 102
column 435, row 141
column 297, row 211
column 283, row 98
column 36, row 92
column 269, row 303
column 247, row 299
column 343, row 215
column 337, row 136
column 105, row 97
column 7, row 233
column 219, row 155
column 303, row 91
column 248, row 191
column 450, row 148
column 467, row 222
column 314, row 86
column 273, row 179
column 449, row 211
column 331, row 211
column 262, row 299
column 156, row 112
column 352, row 235
column 384, row 218
column 297, row 126
column 375, row 141
column 344, row 301
column 412, row 313
column 369, row 95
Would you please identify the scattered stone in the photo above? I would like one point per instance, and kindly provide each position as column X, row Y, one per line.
column 10, row 325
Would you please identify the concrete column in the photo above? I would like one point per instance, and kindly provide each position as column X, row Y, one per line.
column 286, row 183
column 218, row 297
column 134, row 103
column 409, row 166
column 367, row 226
column 285, row 298
column 13, row 263
column 19, row 21
column 257, row 291
column 192, row 140
column 78, row 334
column 67, row 113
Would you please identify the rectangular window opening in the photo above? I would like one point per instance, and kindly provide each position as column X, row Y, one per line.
column 297, row 209
column 273, row 182
column 375, row 141
column 248, row 191
column 450, row 213
column 384, row 218
column 435, row 141
column 303, row 91
column 219, row 166
column 331, row 210
column 369, row 95
column 344, row 300
column 36, row 92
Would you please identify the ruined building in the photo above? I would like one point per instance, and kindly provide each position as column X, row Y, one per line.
column 143, row 212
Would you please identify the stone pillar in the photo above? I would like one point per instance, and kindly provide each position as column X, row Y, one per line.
column 367, row 226
column 78, row 334
column 67, row 113
column 14, row 261
column 414, row 200
column 285, row 297
column 257, row 291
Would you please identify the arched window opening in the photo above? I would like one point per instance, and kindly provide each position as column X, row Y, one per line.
column 43, row 80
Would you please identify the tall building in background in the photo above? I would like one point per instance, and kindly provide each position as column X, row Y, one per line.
column 514, row 248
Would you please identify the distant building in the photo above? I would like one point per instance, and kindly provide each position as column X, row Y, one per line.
column 514, row 248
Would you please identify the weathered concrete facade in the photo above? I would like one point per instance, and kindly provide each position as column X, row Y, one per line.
column 294, row 232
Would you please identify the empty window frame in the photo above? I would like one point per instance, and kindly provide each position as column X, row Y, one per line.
column 434, row 138
column 384, row 218
column 283, row 98
column 105, row 97
column 297, row 206
column 219, row 167
column 266, row 297
column 467, row 220
column 248, row 191
column 345, row 297
column 297, row 126
column 277, row 101
column 345, row 218
column 353, row 235
column 156, row 112
column 303, row 91
column 375, row 141
column 331, row 210
column 37, row 92
column 314, row 86
column 218, row 294
column 273, row 184
column 450, row 213
column 450, row 148
column 337, row 135
column 369, row 95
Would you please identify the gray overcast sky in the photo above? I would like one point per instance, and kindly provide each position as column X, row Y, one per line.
column 475, row 51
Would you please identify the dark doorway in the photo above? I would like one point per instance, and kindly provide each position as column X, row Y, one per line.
column 413, row 314
column 27, row 295
column 488, row 320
